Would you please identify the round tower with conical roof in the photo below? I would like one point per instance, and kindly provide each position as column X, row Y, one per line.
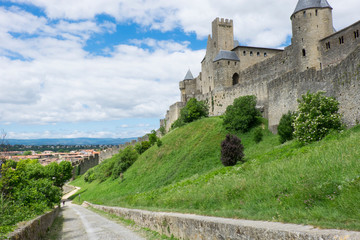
column 311, row 22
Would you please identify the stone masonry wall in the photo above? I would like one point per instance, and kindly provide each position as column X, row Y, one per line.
column 341, row 81
column 332, row 51
column 36, row 228
column 194, row 227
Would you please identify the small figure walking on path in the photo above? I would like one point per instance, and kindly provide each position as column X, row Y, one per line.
column 63, row 202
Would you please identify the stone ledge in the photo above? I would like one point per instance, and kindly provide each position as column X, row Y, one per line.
column 36, row 228
column 195, row 227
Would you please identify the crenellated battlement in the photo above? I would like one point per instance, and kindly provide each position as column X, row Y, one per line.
column 223, row 22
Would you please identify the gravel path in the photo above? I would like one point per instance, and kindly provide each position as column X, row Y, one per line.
column 83, row 224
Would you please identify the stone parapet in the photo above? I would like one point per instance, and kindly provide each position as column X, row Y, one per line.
column 36, row 228
column 188, row 226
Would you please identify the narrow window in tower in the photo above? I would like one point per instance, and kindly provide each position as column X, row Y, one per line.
column 304, row 52
column 341, row 39
column 304, row 13
column 356, row 34
column 265, row 54
column 228, row 62
column 328, row 45
column 316, row 12
column 258, row 54
column 244, row 53
column 251, row 53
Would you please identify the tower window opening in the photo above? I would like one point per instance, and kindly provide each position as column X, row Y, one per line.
column 244, row 53
column 265, row 54
column 304, row 53
column 235, row 78
column 235, row 63
column 251, row 53
column 228, row 62
column 341, row 39
column 356, row 34
column 328, row 45
column 316, row 12
column 304, row 13
column 258, row 54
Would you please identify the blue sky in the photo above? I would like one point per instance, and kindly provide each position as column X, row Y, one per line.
column 110, row 68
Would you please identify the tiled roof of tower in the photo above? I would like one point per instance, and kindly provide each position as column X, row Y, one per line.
column 226, row 55
column 305, row 4
column 189, row 76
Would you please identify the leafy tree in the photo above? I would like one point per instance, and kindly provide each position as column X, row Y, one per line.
column 232, row 150
column 258, row 135
column 193, row 110
column 315, row 117
column 286, row 128
column 242, row 115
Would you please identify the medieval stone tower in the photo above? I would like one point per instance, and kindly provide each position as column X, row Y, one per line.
column 222, row 39
column 311, row 22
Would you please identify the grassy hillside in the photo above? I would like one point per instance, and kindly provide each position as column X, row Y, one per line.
column 317, row 184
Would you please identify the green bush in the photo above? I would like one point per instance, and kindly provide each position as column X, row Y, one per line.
column 232, row 150
column 162, row 130
column 128, row 156
column 142, row 147
column 316, row 116
column 90, row 176
column 286, row 128
column 242, row 115
column 159, row 143
column 258, row 135
column 193, row 110
column 152, row 137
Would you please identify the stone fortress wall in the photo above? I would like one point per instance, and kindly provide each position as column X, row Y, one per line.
column 318, row 59
column 91, row 161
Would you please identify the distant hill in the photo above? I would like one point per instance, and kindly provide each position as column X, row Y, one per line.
column 70, row 141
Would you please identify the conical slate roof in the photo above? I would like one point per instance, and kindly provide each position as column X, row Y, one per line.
column 305, row 4
column 189, row 76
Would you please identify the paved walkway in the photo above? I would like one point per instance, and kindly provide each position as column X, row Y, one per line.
column 83, row 224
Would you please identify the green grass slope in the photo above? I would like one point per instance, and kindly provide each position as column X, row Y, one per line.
column 318, row 184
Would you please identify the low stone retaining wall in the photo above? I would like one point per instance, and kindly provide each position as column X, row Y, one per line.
column 36, row 228
column 194, row 227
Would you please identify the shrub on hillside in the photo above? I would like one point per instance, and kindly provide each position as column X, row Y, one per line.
column 316, row 116
column 152, row 137
column 242, row 115
column 142, row 147
column 193, row 110
column 231, row 150
column 159, row 143
column 128, row 156
column 258, row 134
column 286, row 128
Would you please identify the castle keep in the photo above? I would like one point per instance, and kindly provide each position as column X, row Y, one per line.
column 319, row 58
